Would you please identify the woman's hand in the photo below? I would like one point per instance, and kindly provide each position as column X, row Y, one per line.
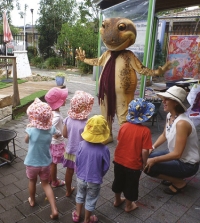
column 149, row 164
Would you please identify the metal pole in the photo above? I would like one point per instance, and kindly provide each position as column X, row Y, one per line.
column 24, row 28
column 147, row 43
column 32, row 28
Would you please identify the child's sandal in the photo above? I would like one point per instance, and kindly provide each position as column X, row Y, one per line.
column 75, row 217
column 58, row 183
column 93, row 219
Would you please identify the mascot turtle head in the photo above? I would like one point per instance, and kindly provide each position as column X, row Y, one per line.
column 118, row 33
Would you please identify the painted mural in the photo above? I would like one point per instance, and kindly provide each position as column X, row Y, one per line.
column 184, row 53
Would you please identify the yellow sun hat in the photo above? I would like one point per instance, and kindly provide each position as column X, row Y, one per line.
column 96, row 130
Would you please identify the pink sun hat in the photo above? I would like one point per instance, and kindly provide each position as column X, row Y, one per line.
column 80, row 105
column 55, row 97
column 40, row 115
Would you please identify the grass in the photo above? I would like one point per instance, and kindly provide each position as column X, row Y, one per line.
column 31, row 97
column 20, row 110
column 4, row 84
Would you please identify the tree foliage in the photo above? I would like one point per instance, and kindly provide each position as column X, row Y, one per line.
column 53, row 13
column 83, row 33
column 159, row 56
column 8, row 5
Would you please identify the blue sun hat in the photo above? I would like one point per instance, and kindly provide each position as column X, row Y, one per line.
column 139, row 111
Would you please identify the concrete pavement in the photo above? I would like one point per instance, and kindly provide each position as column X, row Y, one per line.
column 154, row 205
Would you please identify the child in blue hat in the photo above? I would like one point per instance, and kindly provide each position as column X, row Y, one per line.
column 134, row 143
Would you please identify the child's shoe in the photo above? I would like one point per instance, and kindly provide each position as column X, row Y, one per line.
column 58, row 183
column 75, row 217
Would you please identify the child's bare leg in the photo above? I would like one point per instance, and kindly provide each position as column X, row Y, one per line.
column 79, row 207
column 87, row 216
column 50, row 196
column 53, row 172
column 118, row 200
column 32, row 191
column 68, row 180
column 130, row 206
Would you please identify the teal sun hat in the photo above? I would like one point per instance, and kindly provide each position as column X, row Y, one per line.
column 139, row 111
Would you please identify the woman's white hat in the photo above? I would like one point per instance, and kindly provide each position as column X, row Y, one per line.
column 175, row 93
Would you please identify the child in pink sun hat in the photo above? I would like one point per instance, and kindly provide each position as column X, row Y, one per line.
column 38, row 159
column 56, row 98
column 80, row 107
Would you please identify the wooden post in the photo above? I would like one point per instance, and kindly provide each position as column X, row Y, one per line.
column 16, row 99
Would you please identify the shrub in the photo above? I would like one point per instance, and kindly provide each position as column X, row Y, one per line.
column 36, row 61
column 53, row 62
column 85, row 68
column 32, row 52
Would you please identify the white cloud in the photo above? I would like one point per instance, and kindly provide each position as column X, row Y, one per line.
column 33, row 4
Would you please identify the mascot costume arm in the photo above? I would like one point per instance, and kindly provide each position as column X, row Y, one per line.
column 118, row 80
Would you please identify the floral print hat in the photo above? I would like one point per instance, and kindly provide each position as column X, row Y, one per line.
column 40, row 115
column 80, row 105
column 139, row 111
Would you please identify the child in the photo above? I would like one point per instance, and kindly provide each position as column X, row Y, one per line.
column 92, row 163
column 38, row 159
column 134, row 143
column 80, row 107
column 56, row 98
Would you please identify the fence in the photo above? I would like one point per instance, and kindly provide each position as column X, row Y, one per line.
column 18, row 42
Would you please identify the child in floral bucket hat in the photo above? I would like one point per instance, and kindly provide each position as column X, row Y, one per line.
column 38, row 159
column 92, row 163
column 56, row 98
column 80, row 108
column 134, row 144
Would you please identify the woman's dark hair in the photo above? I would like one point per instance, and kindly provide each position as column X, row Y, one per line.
column 179, row 109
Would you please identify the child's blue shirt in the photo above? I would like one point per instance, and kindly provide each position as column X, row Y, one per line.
column 39, row 147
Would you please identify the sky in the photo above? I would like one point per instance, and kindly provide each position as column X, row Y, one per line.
column 32, row 4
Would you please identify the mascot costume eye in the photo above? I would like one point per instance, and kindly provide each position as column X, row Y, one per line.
column 118, row 80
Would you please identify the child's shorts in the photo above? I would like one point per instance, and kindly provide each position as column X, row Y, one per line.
column 57, row 151
column 87, row 193
column 43, row 172
column 68, row 160
column 126, row 180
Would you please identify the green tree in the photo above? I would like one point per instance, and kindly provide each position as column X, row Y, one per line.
column 78, row 35
column 159, row 56
column 8, row 5
column 53, row 13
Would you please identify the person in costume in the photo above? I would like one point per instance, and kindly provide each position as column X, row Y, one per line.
column 118, row 80
column 131, row 153
column 181, row 159
column 92, row 163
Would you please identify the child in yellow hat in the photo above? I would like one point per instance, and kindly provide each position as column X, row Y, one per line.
column 92, row 163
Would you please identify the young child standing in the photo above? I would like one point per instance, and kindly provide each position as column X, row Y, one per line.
column 80, row 107
column 134, row 144
column 56, row 98
column 38, row 159
column 92, row 163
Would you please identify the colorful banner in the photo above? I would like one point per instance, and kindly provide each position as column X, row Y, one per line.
column 184, row 53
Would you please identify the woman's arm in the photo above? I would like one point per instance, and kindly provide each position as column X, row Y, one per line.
column 65, row 135
column 183, row 130
column 161, row 139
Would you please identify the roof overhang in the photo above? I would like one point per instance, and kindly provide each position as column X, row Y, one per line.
column 161, row 5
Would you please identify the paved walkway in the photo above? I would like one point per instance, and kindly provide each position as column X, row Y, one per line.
column 154, row 205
